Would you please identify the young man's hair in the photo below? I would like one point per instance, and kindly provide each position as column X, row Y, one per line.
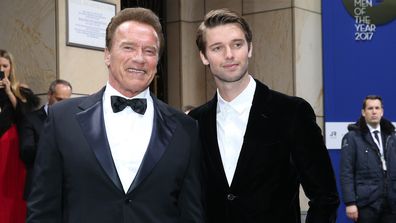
column 372, row 97
column 221, row 17
column 141, row 15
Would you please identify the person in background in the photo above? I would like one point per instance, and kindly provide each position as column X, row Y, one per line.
column 368, row 166
column 259, row 145
column 32, row 125
column 15, row 100
column 120, row 155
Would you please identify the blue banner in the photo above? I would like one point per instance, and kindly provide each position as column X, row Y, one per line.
column 359, row 59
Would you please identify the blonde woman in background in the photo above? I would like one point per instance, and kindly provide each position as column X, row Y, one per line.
column 15, row 100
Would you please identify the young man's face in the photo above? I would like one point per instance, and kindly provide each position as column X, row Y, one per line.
column 227, row 52
column 132, row 60
column 373, row 112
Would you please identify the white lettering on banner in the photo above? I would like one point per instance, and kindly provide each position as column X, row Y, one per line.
column 364, row 29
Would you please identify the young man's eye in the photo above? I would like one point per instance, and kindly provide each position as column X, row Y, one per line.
column 238, row 45
column 216, row 49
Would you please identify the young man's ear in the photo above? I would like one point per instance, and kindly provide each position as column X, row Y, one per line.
column 250, row 50
column 203, row 58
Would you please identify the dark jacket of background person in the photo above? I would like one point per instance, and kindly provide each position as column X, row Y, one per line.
column 282, row 148
column 32, row 125
column 12, row 169
column 362, row 176
column 29, row 133
column 9, row 115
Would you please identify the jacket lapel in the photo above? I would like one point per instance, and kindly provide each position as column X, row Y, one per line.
column 92, row 124
column 258, row 117
column 260, row 130
column 163, row 128
column 42, row 114
column 370, row 140
column 213, row 149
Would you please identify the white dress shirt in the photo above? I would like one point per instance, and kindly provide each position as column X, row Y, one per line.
column 128, row 134
column 231, row 121
column 46, row 108
column 379, row 144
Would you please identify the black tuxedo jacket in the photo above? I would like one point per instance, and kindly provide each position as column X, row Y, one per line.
column 29, row 135
column 76, row 179
column 282, row 148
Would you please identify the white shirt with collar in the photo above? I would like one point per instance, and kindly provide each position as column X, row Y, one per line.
column 231, row 120
column 128, row 134
column 379, row 144
column 46, row 108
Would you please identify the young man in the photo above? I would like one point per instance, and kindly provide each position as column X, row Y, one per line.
column 32, row 126
column 120, row 155
column 368, row 166
column 258, row 144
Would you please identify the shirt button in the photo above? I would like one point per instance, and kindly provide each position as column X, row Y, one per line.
column 230, row 197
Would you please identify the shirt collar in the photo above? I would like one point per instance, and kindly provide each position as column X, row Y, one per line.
column 374, row 129
column 46, row 108
column 110, row 91
column 242, row 102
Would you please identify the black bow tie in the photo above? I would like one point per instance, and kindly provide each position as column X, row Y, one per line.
column 138, row 105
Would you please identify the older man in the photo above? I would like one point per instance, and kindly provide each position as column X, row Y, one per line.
column 120, row 155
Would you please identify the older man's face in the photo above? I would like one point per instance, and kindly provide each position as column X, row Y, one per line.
column 133, row 58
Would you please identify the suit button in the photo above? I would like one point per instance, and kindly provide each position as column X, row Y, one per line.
column 230, row 197
column 128, row 201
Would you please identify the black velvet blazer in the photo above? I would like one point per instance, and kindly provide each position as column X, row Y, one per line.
column 283, row 147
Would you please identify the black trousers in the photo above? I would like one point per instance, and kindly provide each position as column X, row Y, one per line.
column 372, row 215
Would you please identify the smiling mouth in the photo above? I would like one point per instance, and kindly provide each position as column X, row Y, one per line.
column 230, row 66
column 132, row 70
